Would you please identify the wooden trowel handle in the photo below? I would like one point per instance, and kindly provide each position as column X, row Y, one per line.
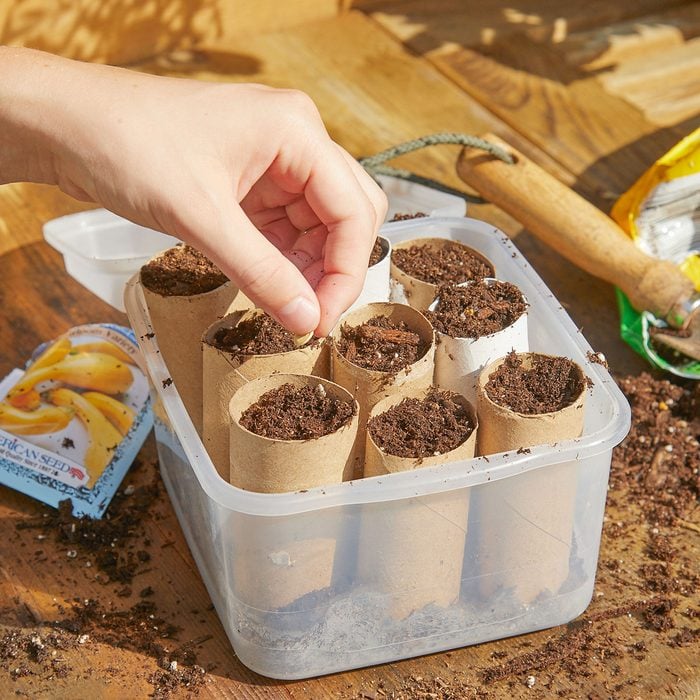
column 574, row 228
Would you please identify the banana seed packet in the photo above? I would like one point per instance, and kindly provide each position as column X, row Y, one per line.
column 73, row 420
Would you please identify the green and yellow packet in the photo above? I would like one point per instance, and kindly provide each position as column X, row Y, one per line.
column 661, row 212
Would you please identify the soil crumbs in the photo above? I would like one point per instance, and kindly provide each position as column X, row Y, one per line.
column 381, row 345
column 552, row 383
column 406, row 217
column 377, row 253
column 453, row 263
column 181, row 271
column 422, row 427
column 115, row 549
column 259, row 335
column 647, row 584
column 296, row 413
column 476, row 310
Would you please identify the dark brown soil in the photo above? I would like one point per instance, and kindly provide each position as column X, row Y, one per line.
column 422, row 428
column 552, row 383
column 572, row 650
column 117, row 550
column 669, row 354
column 181, row 271
column 597, row 358
column 290, row 413
column 259, row 335
column 140, row 629
column 405, row 217
column 381, row 345
column 23, row 654
column 377, row 253
column 109, row 541
column 659, row 461
column 454, row 263
column 477, row 309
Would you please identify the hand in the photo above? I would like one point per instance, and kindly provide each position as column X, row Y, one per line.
column 245, row 173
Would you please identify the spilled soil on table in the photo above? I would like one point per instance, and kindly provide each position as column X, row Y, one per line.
column 117, row 555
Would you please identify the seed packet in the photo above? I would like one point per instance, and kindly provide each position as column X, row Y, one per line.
column 72, row 422
column 660, row 213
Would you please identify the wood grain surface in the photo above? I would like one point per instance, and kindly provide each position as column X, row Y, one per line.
column 375, row 84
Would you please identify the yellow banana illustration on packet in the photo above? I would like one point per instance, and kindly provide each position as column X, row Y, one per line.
column 94, row 370
column 103, row 437
column 49, row 419
column 54, row 353
column 118, row 414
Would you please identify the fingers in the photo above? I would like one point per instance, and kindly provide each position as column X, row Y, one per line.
column 335, row 195
column 374, row 192
column 262, row 272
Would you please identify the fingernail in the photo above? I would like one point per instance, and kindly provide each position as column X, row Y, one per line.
column 299, row 316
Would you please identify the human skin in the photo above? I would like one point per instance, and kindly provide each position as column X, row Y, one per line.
column 245, row 173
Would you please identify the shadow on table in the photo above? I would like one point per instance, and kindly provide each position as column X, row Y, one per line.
column 573, row 39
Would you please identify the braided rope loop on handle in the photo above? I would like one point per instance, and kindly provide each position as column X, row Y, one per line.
column 376, row 162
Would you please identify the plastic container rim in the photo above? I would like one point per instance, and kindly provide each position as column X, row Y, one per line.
column 402, row 485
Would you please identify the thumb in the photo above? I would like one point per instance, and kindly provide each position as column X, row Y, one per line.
column 263, row 273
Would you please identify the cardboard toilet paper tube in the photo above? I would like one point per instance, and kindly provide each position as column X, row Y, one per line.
column 526, row 521
column 294, row 556
column 412, row 550
column 268, row 465
column 178, row 322
column 279, row 560
column 376, row 287
column 406, row 289
column 370, row 386
column 224, row 372
column 459, row 361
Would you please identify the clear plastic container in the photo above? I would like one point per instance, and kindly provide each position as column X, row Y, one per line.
column 247, row 545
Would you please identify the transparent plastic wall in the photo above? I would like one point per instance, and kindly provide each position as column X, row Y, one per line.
column 386, row 568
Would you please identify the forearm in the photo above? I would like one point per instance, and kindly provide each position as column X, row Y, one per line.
column 45, row 104
column 26, row 121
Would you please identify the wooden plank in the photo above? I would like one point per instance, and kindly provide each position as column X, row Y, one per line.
column 371, row 93
column 441, row 24
column 615, row 44
column 664, row 85
column 20, row 223
column 601, row 138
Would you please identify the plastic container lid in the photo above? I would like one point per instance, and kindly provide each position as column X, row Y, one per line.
column 102, row 250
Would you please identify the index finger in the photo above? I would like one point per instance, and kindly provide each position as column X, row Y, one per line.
column 343, row 206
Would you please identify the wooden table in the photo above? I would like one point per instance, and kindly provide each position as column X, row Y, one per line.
column 594, row 92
